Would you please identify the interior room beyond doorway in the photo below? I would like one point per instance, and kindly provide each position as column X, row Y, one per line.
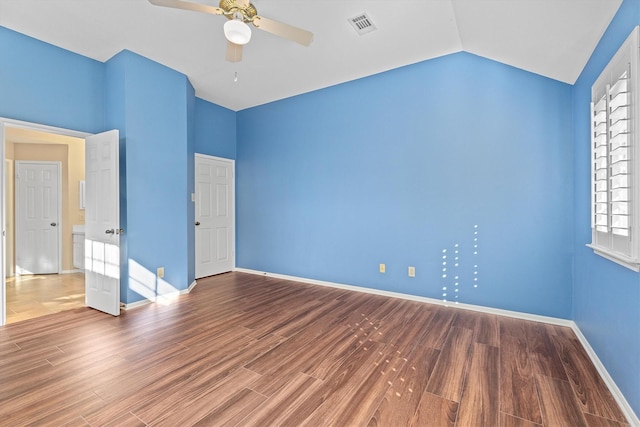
column 37, row 294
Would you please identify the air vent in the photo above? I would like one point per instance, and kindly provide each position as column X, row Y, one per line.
column 362, row 24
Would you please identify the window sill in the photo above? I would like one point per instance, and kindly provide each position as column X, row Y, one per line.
column 615, row 257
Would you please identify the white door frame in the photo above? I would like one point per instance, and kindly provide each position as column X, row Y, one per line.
column 59, row 196
column 8, row 171
column 11, row 123
column 232, row 202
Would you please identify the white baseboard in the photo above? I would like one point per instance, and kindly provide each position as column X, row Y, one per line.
column 190, row 288
column 490, row 310
column 135, row 304
column 167, row 298
column 71, row 271
column 613, row 388
column 631, row 416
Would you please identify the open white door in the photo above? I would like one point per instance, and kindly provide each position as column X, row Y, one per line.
column 215, row 229
column 102, row 222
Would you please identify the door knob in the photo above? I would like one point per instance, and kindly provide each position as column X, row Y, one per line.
column 111, row 231
column 197, row 222
column 53, row 224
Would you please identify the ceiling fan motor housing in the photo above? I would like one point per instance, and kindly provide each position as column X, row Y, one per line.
column 232, row 8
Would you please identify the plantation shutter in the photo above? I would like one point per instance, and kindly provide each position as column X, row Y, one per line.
column 600, row 202
column 615, row 216
column 620, row 155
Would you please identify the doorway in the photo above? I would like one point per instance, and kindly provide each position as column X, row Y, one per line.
column 38, row 200
column 31, row 295
column 214, row 217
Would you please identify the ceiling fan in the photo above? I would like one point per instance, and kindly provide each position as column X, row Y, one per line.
column 236, row 30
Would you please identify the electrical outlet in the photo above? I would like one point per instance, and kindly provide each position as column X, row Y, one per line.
column 383, row 268
column 412, row 272
column 160, row 272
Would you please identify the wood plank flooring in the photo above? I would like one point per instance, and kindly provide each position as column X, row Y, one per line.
column 246, row 350
column 37, row 295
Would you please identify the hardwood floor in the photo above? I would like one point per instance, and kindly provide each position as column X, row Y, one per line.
column 37, row 295
column 246, row 350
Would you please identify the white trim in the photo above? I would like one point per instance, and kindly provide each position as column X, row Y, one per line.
column 479, row 308
column 613, row 388
column 5, row 122
column 136, row 304
column 160, row 298
column 207, row 156
column 615, row 257
column 71, row 271
column 628, row 412
column 3, row 224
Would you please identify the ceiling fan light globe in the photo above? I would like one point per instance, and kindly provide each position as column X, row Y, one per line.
column 237, row 32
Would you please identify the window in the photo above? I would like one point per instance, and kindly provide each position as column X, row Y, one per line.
column 615, row 159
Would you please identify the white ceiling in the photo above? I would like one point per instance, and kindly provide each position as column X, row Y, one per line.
column 554, row 38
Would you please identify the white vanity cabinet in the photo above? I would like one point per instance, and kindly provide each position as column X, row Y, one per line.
column 78, row 247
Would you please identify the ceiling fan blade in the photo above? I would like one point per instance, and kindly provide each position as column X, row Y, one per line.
column 287, row 31
column 234, row 52
column 187, row 5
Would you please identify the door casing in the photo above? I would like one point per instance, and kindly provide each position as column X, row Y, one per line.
column 204, row 270
column 4, row 123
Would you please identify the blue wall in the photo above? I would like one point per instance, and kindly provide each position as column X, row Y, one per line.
column 215, row 130
column 159, row 120
column 116, row 118
column 606, row 296
column 393, row 168
column 44, row 84
column 189, row 226
column 398, row 167
column 152, row 114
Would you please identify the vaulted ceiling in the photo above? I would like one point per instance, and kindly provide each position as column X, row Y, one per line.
column 553, row 38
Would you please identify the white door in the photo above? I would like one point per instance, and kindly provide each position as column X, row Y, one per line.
column 215, row 223
column 37, row 217
column 102, row 222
